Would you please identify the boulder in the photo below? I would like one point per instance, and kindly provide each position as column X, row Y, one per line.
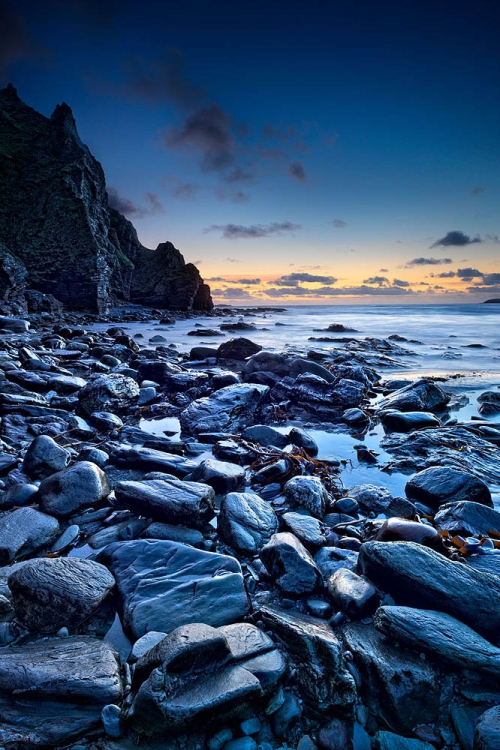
column 419, row 577
column 372, row 499
column 228, row 409
column 51, row 593
column 239, row 349
column 421, row 396
column 390, row 741
column 467, row 519
column 168, row 500
column 265, row 435
column 149, row 459
column 44, row 457
column 108, row 392
column 440, row 485
column 487, row 732
column 221, row 475
column 352, row 594
column 290, row 565
column 79, row 486
column 166, row 584
column 307, row 529
column 309, row 493
column 399, row 421
column 246, row 522
column 53, row 690
column 24, row 531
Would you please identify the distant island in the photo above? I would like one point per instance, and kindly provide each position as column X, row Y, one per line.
column 492, row 301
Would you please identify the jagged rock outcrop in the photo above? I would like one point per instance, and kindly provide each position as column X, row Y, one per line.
column 59, row 236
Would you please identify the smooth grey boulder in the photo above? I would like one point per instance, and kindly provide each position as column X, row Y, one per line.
column 108, row 392
column 416, row 576
column 352, row 594
column 390, row 741
column 487, row 732
column 317, row 656
column 398, row 421
column 174, row 533
column 17, row 495
column 166, row 584
column 51, row 593
column 371, row 498
column 239, row 349
column 14, row 325
column 24, row 531
column 397, row 686
column 330, row 559
column 265, row 435
column 307, row 529
column 422, row 396
column 290, row 565
column 309, row 493
column 440, row 635
column 65, row 385
column 168, row 500
column 44, row 457
column 79, row 486
column 302, row 439
column 467, row 519
column 230, row 408
column 149, row 459
column 439, row 485
column 246, row 522
column 53, row 690
column 221, row 475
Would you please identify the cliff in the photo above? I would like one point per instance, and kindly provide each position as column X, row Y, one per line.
column 59, row 236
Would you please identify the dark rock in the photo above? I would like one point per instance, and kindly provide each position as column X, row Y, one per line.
column 198, row 332
column 24, row 531
column 487, row 732
column 390, row 741
column 316, row 654
column 301, row 439
column 416, row 576
column 110, row 392
column 355, row 417
column 105, row 421
column 335, row 736
column 149, row 459
column 158, row 372
column 166, row 584
column 230, row 408
column 422, row 396
column 246, row 522
column 265, row 435
column 65, row 385
column 440, row 485
column 290, row 565
column 239, row 349
column 81, row 485
column 467, row 519
column 222, row 476
column 53, row 690
column 440, row 636
column 307, row 529
column 14, row 325
column 44, row 457
column 331, row 559
column 398, row 687
column 52, row 593
column 309, row 493
column 406, row 421
column 17, row 495
column 12, row 284
column 402, row 530
column 370, row 498
column 168, row 500
column 352, row 594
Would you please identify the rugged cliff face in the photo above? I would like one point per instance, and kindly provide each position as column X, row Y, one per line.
column 57, row 232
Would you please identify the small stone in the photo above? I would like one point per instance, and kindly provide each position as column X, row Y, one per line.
column 79, row 486
column 290, row 564
column 251, row 726
column 308, row 492
column 110, row 716
column 219, row 739
column 352, row 594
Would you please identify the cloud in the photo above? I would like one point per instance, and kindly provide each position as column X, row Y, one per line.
column 486, row 289
column 233, row 260
column 400, row 282
column 477, row 190
column 238, row 174
column 247, row 281
column 297, row 172
column 429, row 261
column 293, row 279
column 181, row 189
column 384, row 270
column 207, row 132
column 216, row 278
column 15, row 40
column 376, row 280
column 253, row 231
column 339, row 224
column 469, row 273
column 491, row 279
column 445, row 275
column 456, row 239
column 235, row 293
column 128, row 207
column 327, row 291
column 163, row 80
column 234, row 196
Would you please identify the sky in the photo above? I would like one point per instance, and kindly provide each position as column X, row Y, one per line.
column 298, row 153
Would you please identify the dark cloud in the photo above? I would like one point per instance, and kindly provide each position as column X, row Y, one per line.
column 400, row 282
column 216, row 278
column 376, row 280
column 293, row 279
column 477, row 190
column 207, row 132
column 181, row 189
column 15, row 40
column 491, row 279
column 234, row 196
column 339, row 224
column 162, row 80
column 429, row 262
column 273, row 154
column 129, row 209
column 238, row 174
column 469, row 273
column 384, row 270
column 456, row 239
column 238, row 231
column 233, row 260
column 297, row 171
column 327, row 291
column 249, row 282
column 235, row 293
column 486, row 289
column 445, row 275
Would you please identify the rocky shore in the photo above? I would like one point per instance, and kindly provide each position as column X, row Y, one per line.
column 217, row 585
